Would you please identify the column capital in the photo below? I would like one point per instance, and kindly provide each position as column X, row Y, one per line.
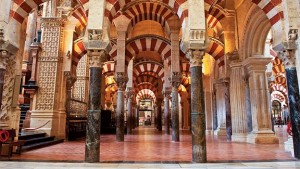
column 121, row 80
column 175, row 79
column 129, row 93
column 195, row 57
column 96, row 58
column 167, row 92
column 257, row 63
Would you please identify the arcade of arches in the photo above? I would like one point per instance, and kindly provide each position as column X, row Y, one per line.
column 209, row 66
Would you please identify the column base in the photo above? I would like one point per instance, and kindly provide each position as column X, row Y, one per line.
column 220, row 132
column 209, row 132
column 263, row 137
column 239, row 137
column 289, row 146
column 45, row 121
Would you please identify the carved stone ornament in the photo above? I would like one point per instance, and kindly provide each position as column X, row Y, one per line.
column 66, row 7
column 195, row 57
column 121, row 80
column 288, row 58
column 3, row 53
column 96, row 58
column 52, row 22
column 175, row 79
column 94, row 34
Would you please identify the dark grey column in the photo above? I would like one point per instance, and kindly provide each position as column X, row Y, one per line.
column 129, row 96
column 70, row 80
column 175, row 80
column 159, row 114
column 167, row 93
column 121, row 79
column 228, row 110
column 92, row 146
column 289, row 58
column 2, row 73
column 197, row 107
column 294, row 106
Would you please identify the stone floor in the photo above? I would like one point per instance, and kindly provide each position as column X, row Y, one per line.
column 238, row 165
column 148, row 145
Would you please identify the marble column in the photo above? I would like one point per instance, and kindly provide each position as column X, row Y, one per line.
column 175, row 80
column 238, row 102
column 121, row 80
column 129, row 96
column 289, row 59
column 215, row 112
column 159, row 114
column 92, row 145
column 70, row 80
column 167, row 93
column 221, row 109
column 197, row 108
column 261, row 120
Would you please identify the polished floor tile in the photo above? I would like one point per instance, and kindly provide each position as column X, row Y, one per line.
column 44, row 165
column 149, row 145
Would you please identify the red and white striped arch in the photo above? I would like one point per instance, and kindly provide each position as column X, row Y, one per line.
column 280, row 88
column 143, row 86
column 148, row 11
column 149, row 68
column 213, row 17
column 280, row 79
column 274, row 15
column 79, row 51
column 178, row 6
column 216, row 50
column 145, row 94
column 153, row 43
column 108, row 68
column 276, row 95
column 25, row 7
column 80, row 16
column 146, row 78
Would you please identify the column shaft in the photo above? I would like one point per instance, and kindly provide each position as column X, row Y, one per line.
column 294, row 105
column 121, row 80
column 2, row 73
column 198, row 116
column 129, row 116
column 238, row 103
column 120, row 116
column 92, row 147
column 199, row 154
column 166, row 114
column 175, row 114
column 159, row 114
